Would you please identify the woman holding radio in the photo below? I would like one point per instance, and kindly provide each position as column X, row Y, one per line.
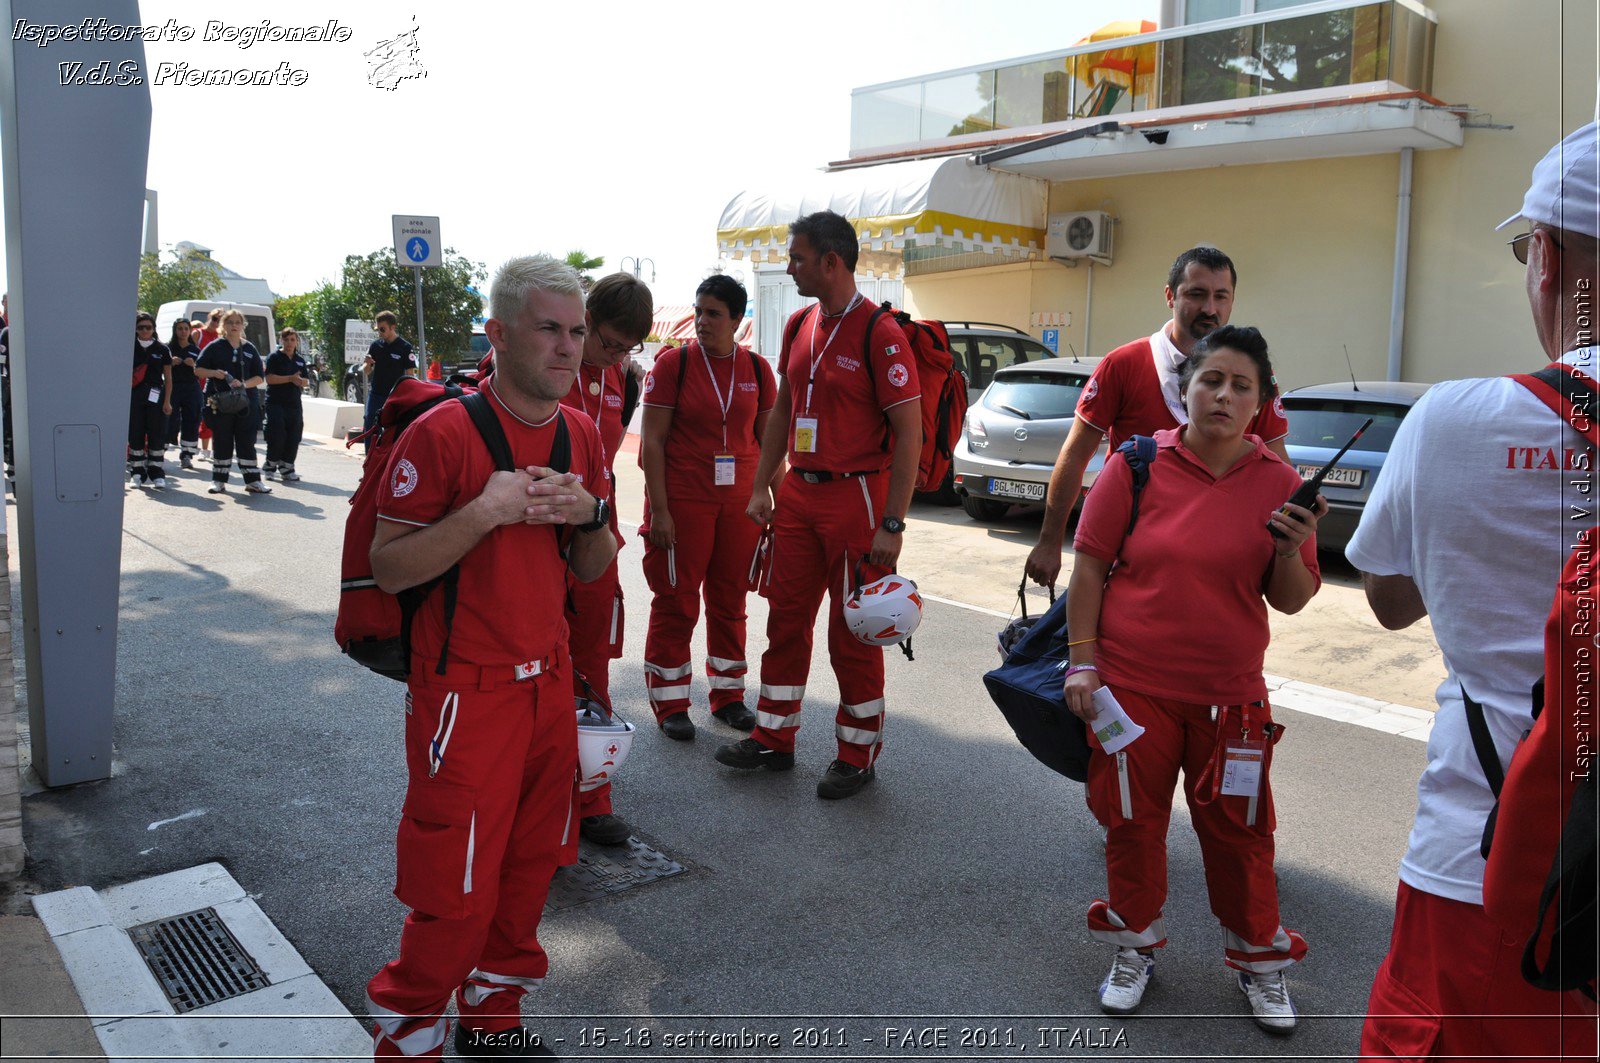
column 1192, row 678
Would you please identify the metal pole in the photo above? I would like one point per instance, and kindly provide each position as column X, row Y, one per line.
column 1402, row 258
column 422, row 335
column 1088, row 314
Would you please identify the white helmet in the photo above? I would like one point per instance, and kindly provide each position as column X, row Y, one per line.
column 885, row 612
column 603, row 744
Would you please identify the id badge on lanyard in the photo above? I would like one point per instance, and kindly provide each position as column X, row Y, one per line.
column 1242, row 762
column 805, row 435
column 155, row 394
column 724, row 467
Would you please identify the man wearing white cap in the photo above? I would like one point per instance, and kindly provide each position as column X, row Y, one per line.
column 1470, row 525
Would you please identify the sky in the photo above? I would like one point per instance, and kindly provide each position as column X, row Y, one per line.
column 622, row 128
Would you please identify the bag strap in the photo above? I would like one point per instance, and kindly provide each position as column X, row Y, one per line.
column 788, row 337
column 1569, row 393
column 1571, row 964
column 878, row 312
column 1139, row 452
column 630, row 393
column 1483, row 744
column 493, row 433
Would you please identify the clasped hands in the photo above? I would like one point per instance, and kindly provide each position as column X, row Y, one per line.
column 537, row 495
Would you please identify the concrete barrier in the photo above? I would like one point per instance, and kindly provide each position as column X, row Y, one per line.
column 330, row 417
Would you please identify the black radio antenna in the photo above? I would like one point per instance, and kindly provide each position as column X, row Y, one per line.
column 1353, row 385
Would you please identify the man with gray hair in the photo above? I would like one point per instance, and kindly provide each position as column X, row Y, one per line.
column 1470, row 525
column 491, row 749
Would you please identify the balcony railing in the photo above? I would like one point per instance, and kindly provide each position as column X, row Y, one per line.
column 1313, row 47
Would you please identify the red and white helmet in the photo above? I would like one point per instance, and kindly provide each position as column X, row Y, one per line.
column 884, row 612
column 603, row 744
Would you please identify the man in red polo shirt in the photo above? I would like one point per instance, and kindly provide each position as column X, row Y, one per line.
column 618, row 310
column 842, row 397
column 1134, row 391
column 491, row 749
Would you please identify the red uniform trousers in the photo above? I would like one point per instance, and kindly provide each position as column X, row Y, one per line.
column 819, row 533
column 488, row 817
column 1452, row 986
column 714, row 548
column 594, row 623
column 1131, row 794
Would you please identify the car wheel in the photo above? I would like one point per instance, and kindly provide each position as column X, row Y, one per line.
column 983, row 509
column 945, row 494
column 352, row 390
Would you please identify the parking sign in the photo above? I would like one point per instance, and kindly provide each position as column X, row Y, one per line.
column 1051, row 338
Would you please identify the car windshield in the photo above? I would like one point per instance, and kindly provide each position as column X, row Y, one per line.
column 1329, row 422
column 1039, row 395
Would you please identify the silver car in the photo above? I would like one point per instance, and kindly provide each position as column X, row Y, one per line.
column 1014, row 433
column 1321, row 418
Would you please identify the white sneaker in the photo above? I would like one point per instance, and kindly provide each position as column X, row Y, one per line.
column 159, row 483
column 1269, row 1000
column 1125, row 984
column 271, row 474
column 258, row 488
column 290, row 477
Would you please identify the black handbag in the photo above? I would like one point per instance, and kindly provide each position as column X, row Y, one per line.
column 234, row 400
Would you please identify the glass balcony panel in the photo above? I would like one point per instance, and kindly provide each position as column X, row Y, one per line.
column 1411, row 49
column 1032, row 94
column 1219, row 66
column 884, row 117
column 1209, row 10
column 1115, row 81
column 960, row 104
column 1369, row 44
column 1312, row 52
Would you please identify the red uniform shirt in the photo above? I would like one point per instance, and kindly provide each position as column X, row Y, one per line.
column 744, row 383
column 852, row 390
column 597, row 394
column 1124, row 398
column 509, row 605
column 1183, row 615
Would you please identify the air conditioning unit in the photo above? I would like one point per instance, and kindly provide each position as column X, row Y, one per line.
column 1079, row 234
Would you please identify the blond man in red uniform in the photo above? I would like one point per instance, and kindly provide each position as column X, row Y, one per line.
column 1134, row 391
column 618, row 311
column 491, row 749
column 706, row 406
column 842, row 397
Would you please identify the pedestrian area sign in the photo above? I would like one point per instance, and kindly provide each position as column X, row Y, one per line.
column 416, row 241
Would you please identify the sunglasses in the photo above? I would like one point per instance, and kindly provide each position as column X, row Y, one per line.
column 1519, row 244
column 144, row 327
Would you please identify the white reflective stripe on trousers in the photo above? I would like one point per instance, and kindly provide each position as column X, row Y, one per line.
column 782, row 693
column 858, row 736
column 774, row 722
column 672, row 671
column 727, row 664
column 864, row 710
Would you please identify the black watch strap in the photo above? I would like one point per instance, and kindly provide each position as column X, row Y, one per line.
column 894, row 525
column 602, row 511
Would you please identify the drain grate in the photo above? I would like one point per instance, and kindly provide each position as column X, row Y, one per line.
column 196, row 959
column 602, row 872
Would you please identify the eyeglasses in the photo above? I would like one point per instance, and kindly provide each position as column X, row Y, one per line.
column 144, row 326
column 617, row 346
column 1519, row 244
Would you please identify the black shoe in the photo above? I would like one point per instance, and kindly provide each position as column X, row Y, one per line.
column 843, row 779
column 605, row 829
column 678, row 727
column 519, row 1042
column 735, row 715
column 186, row 462
column 748, row 753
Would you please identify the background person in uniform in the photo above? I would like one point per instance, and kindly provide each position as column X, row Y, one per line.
column 212, row 330
column 842, row 504
column 150, row 404
column 1134, row 391
column 228, row 363
column 1196, row 688
column 491, row 746
column 388, row 359
column 183, row 425
column 287, row 373
column 1470, row 525
column 618, row 310
column 706, row 406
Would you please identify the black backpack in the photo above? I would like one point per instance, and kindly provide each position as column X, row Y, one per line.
column 1027, row 687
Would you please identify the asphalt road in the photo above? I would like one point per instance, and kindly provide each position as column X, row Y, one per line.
column 947, row 897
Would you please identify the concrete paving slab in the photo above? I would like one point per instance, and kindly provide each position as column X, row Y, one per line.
column 44, row 1017
column 68, row 911
column 177, row 893
column 110, row 975
column 277, row 958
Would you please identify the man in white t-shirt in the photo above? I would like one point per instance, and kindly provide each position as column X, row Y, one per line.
column 1470, row 524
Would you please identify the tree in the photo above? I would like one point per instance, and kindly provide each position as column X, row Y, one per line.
column 450, row 300
column 581, row 262
column 184, row 277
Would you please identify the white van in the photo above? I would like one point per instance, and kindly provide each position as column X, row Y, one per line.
column 259, row 328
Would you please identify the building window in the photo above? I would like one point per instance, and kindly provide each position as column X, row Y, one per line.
column 1197, row 11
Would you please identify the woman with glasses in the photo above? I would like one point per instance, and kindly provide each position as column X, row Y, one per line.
column 232, row 369
column 705, row 410
column 183, row 425
column 1177, row 635
column 287, row 373
column 618, row 312
column 150, row 404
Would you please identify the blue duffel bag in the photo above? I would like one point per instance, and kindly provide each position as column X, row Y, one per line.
column 1027, row 687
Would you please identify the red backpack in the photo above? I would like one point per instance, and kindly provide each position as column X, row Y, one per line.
column 944, row 389
column 373, row 627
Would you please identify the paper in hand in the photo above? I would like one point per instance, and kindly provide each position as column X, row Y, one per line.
column 1111, row 725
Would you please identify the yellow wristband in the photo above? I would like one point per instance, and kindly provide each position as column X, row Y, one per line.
column 1080, row 642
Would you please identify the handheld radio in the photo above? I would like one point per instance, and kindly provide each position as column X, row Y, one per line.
column 1306, row 496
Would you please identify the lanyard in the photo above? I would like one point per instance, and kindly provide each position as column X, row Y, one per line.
column 583, row 397
column 733, row 377
column 816, row 359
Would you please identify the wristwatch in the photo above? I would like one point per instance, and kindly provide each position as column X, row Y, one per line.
column 894, row 525
column 601, row 513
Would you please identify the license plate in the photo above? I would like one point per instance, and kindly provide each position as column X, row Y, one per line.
column 1336, row 477
column 1017, row 489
